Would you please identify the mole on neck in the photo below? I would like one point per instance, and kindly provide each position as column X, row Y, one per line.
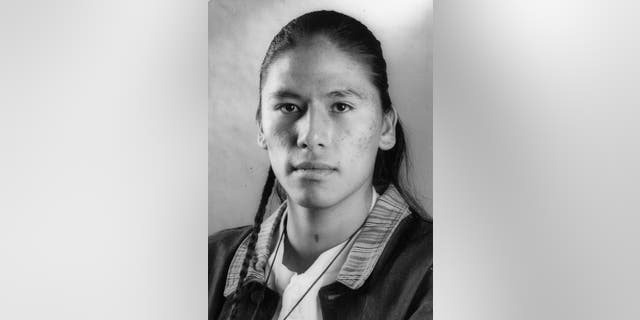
column 312, row 231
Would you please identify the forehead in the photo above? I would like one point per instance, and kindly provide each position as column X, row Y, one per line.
column 317, row 66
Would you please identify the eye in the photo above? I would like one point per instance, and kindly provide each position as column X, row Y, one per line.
column 288, row 108
column 341, row 107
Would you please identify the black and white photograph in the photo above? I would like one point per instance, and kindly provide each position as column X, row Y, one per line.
column 320, row 160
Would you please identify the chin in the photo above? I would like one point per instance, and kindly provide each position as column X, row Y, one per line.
column 312, row 199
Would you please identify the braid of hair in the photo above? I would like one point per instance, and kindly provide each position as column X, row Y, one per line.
column 253, row 238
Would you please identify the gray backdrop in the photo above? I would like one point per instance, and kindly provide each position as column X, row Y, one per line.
column 239, row 34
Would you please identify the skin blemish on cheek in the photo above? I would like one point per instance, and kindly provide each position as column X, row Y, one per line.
column 316, row 237
column 364, row 141
column 279, row 137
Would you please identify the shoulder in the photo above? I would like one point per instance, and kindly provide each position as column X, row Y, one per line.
column 414, row 236
column 222, row 248
column 410, row 248
column 411, row 245
column 227, row 241
column 405, row 268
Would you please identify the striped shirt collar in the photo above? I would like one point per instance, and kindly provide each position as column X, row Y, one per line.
column 389, row 210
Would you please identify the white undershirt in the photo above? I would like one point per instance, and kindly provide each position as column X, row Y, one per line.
column 292, row 286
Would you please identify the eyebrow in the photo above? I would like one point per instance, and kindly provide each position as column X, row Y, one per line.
column 344, row 93
column 283, row 94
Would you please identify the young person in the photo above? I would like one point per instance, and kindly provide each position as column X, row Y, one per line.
column 348, row 241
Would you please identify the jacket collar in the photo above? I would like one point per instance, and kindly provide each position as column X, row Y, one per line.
column 389, row 210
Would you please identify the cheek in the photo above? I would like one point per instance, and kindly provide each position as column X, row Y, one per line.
column 363, row 142
column 277, row 135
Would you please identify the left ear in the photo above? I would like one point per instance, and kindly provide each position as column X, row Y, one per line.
column 388, row 137
column 261, row 141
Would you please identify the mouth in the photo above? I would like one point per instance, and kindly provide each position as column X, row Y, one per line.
column 312, row 166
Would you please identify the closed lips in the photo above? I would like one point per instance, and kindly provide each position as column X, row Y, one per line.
column 313, row 166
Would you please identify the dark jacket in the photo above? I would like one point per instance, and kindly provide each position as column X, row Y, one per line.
column 400, row 286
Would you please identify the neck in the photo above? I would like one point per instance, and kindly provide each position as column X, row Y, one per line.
column 311, row 231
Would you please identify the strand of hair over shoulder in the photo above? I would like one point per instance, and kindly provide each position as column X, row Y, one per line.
column 253, row 238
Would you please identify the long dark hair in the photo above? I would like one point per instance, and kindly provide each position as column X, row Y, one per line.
column 391, row 166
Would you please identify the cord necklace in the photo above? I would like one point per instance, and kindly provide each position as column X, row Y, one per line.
column 323, row 272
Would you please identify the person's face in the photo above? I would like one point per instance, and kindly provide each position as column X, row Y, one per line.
column 322, row 123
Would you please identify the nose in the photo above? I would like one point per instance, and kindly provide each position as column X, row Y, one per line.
column 314, row 129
